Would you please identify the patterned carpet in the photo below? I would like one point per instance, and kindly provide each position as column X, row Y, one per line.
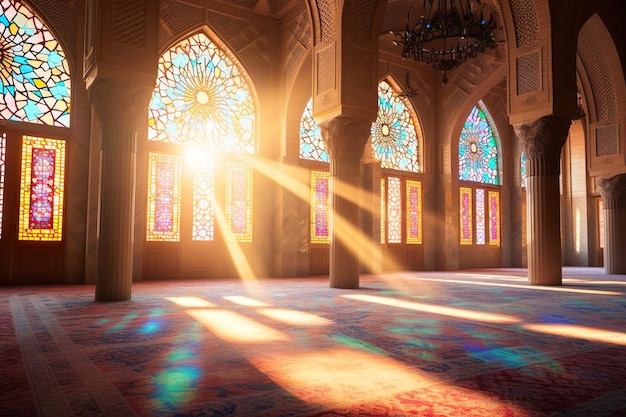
column 471, row 343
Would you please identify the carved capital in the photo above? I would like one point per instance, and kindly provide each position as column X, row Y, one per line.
column 613, row 191
column 542, row 141
column 120, row 103
column 345, row 138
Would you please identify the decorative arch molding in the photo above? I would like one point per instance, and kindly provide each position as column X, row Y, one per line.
column 179, row 19
column 603, row 86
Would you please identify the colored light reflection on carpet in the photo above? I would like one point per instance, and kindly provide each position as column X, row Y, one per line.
column 527, row 287
column 356, row 343
column 295, row 317
column 430, row 308
column 176, row 385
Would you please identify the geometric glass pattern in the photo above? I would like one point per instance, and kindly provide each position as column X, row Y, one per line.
column 239, row 201
column 383, row 213
column 413, row 212
column 478, row 151
column 203, row 228
column 394, row 138
column 3, row 156
column 34, row 74
column 164, row 187
column 311, row 144
column 466, row 215
column 41, row 189
column 320, row 206
column 480, row 216
column 394, row 210
column 494, row 218
column 201, row 97
column 523, row 169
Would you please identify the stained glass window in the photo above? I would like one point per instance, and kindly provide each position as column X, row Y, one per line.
column 523, row 169
column 413, row 212
column 239, row 201
column 394, row 137
column 383, row 212
column 203, row 227
column 466, row 215
column 164, row 183
column 41, row 189
column 320, row 207
column 394, row 210
column 478, row 151
column 34, row 74
column 494, row 218
column 3, row 155
column 202, row 97
column 480, row 216
column 311, row 144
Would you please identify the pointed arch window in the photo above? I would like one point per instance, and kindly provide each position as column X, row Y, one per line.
column 479, row 173
column 203, row 108
column 34, row 74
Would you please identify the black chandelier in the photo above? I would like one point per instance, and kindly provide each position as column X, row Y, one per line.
column 450, row 32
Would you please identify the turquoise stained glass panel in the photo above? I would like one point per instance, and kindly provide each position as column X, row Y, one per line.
column 202, row 97
column 478, row 151
column 394, row 138
column 312, row 146
column 34, row 74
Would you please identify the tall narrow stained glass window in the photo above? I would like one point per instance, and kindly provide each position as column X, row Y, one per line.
column 34, row 74
column 478, row 150
column 494, row 218
column 394, row 210
column 523, row 169
column 480, row 217
column 164, row 187
column 204, row 102
column 320, row 207
column 239, row 201
column 383, row 212
column 41, row 189
column 394, row 136
column 413, row 212
column 203, row 228
column 601, row 222
column 466, row 215
column 312, row 145
column 3, row 159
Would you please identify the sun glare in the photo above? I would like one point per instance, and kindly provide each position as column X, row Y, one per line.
column 430, row 308
column 190, row 302
column 236, row 328
column 580, row 332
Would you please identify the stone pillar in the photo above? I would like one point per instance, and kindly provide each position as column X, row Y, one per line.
column 119, row 106
column 613, row 191
column 345, row 139
column 542, row 141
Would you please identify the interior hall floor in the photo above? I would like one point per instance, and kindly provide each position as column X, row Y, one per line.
column 462, row 343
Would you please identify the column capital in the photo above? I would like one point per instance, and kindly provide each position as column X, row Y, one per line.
column 120, row 103
column 613, row 191
column 542, row 141
column 345, row 138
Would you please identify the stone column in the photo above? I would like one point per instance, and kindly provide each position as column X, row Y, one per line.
column 345, row 139
column 613, row 191
column 119, row 106
column 542, row 141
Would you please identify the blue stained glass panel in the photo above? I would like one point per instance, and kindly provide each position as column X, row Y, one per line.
column 312, row 145
column 478, row 150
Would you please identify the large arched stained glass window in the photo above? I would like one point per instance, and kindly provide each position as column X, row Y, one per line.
column 394, row 137
column 478, row 150
column 479, row 208
column 202, row 103
column 202, row 97
column 34, row 74
column 312, row 146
